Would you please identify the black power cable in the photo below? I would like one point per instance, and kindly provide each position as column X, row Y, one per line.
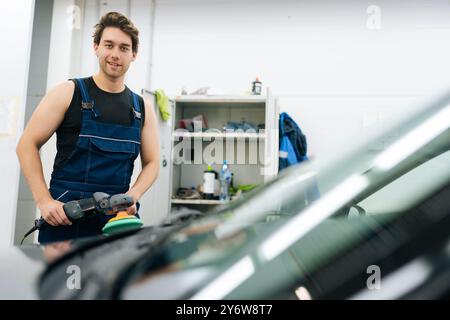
column 37, row 224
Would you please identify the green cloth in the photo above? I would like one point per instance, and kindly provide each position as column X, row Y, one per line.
column 163, row 104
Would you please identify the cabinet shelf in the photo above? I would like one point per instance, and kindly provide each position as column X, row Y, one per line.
column 225, row 135
column 221, row 99
column 198, row 201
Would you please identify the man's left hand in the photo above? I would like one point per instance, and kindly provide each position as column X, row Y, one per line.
column 132, row 209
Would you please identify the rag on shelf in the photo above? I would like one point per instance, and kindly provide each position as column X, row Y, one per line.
column 163, row 104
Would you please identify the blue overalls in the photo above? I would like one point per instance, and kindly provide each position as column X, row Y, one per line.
column 102, row 161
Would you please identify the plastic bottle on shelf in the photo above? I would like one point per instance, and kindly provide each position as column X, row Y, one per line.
column 225, row 180
column 209, row 177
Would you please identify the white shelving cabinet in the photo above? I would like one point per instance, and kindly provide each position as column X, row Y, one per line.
column 252, row 155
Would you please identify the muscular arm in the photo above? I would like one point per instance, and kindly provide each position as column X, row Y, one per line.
column 43, row 123
column 149, row 154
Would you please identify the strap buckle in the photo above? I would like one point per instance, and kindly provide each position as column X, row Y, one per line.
column 87, row 105
column 136, row 114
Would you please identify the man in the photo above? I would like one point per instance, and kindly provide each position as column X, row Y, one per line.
column 101, row 127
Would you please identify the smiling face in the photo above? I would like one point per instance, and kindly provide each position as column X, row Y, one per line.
column 114, row 53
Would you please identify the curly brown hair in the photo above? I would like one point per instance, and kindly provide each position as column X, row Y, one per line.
column 117, row 20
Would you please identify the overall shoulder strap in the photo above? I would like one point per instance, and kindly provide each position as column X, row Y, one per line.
column 84, row 94
column 136, row 109
column 136, row 106
column 87, row 104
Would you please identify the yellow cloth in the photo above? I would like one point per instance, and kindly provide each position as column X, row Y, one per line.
column 163, row 104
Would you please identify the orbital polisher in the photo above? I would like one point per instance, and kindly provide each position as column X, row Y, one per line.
column 99, row 203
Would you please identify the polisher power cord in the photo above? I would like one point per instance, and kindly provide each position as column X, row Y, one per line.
column 37, row 224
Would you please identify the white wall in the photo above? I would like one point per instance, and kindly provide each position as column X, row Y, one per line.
column 16, row 19
column 331, row 72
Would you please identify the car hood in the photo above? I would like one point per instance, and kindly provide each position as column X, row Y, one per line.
column 20, row 268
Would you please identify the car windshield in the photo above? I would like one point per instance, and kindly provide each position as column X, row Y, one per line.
column 305, row 205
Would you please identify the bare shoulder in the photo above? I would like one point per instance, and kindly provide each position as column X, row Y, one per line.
column 149, row 110
column 55, row 103
column 68, row 85
column 148, row 104
column 63, row 89
column 61, row 95
column 49, row 113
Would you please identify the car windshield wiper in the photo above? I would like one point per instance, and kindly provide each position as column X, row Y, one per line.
column 96, row 258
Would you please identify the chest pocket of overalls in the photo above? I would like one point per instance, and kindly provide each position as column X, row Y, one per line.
column 110, row 161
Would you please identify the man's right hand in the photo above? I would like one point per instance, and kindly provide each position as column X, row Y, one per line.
column 53, row 213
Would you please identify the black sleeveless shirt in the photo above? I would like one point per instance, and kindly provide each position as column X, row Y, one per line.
column 114, row 108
